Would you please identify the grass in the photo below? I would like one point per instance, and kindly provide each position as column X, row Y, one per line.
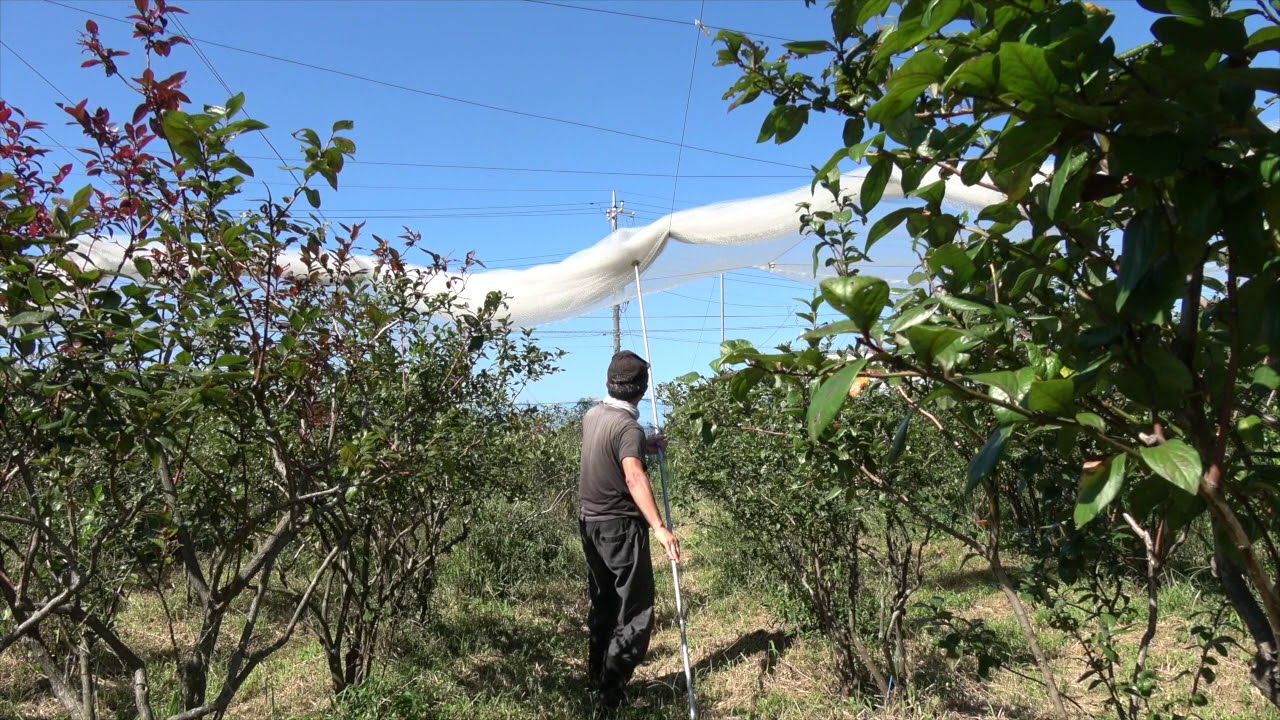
column 518, row 655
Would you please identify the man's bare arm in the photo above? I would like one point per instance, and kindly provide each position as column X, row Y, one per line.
column 642, row 493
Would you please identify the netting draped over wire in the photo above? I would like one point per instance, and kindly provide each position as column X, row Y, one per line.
column 676, row 249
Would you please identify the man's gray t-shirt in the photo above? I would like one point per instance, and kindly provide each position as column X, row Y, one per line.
column 609, row 434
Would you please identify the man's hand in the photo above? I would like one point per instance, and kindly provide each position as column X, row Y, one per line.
column 654, row 443
column 669, row 543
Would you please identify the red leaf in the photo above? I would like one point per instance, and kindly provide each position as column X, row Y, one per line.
column 91, row 27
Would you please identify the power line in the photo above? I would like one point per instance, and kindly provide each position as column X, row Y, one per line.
column 730, row 304
column 653, row 18
column 457, row 188
column 568, row 171
column 688, row 102
column 39, row 74
column 75, row 158
column 438, row 216
column 226, row 87
column 451, row 98
column 582, row 204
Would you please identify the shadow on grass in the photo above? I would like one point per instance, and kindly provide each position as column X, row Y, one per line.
column 954, row 683
column 541, row 665
column 965, row 580
column 670, row 690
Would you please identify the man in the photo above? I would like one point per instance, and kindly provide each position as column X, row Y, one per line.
column 617, row 511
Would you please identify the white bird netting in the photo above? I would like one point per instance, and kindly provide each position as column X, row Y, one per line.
column 679, row 248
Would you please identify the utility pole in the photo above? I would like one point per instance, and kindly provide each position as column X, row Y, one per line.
column 615, row 209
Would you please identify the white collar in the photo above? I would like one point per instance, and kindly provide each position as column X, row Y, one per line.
column 613, row 402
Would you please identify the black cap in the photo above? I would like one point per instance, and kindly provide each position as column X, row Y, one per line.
column 628, row 368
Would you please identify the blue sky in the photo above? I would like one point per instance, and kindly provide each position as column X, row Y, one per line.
column 598, row 66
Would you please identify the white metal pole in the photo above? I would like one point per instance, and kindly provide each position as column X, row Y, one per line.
column 666, row 503
column 721, row 308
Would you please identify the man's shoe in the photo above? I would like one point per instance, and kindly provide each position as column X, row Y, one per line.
column 607, row 701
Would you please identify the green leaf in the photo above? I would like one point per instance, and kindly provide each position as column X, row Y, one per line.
column 308, row 136
column 234, row 104
column 1051, row 396
column 1194, row 8
column 30, row 317
column 860, row 297
column 181, row 137
column 1100, row 483
column 1026, row 142
column 1217, row 34
column 829, row 168
column 804, row 48
column 977, row 74
column 932, row 342
column 952, row 257
column 886, row 225
column 20, row 216
column 1261, row 78
column 830, row 396
column 1097, row 116
column 790, row 123
column 1141, row 246
column 1090, row 420
column 984, row 463
column 689, row 378
column 874, row 183
column 1268, row 38
column 230, row 360
column 957, row 303
column 235, row 162
column 244, row 126
column 313, row 196
column 1166, row 373
column 1068, row 167
column 1146, row 156
column 870, row 9
column 1025, row 72
column 1009, row 387
column 1250, row 429
column 905, row 85
column 341, row 125
column 783, row 123
column 972, row 172
column 36, row 289
column 1266, row 377
column 840, row 327
column 913, row 28
column 1177, row 462
column 912, row 317
column 900, row 438
column 743, row 380
column 931, row 193
column 733, row 352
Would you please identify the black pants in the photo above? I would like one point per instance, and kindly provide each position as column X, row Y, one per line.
column 620, row 584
